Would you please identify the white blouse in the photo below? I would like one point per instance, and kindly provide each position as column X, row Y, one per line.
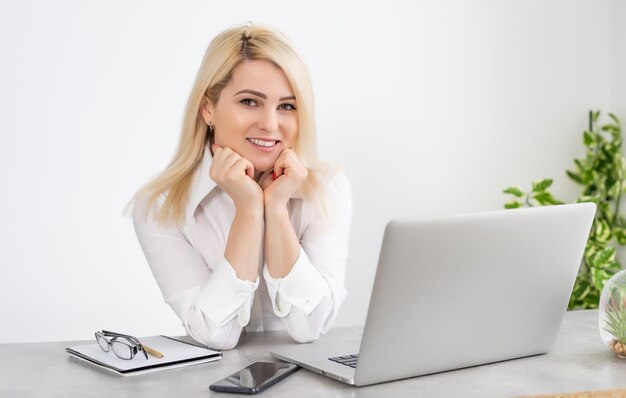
column 202, row 288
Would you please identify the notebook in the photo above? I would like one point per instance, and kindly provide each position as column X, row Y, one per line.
column 176, row 353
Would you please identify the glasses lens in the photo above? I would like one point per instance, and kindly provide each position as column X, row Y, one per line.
column 102, row 343
column 122, row 350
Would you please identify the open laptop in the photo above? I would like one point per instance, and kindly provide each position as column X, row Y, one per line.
column 458, row 291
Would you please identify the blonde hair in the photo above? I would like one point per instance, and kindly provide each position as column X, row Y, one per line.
column 226, row 51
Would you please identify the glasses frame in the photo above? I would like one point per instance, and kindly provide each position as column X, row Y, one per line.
column 134, row 347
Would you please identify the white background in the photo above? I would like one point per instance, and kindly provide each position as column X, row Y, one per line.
column 431, row 107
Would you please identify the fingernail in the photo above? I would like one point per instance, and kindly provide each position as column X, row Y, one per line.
column 274, row 175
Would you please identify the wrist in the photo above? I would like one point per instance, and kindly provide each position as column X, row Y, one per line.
column 276, row 211
column 274, row 205
column 254, row 212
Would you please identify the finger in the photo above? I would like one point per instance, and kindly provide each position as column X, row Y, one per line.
column 292, row 166
column 278, row 171
column 222, row 162
column 281, row 163
column 286, row 161
column 244, row 166
column 229, row 158
column 218, row 152
column 249, row 168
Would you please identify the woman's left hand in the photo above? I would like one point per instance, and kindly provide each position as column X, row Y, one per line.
column 289, row 174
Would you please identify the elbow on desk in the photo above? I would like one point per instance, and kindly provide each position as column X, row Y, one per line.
column 219, row 339
column 304, row 339
column 306, row 327
column 219, row 344
column 302, row 332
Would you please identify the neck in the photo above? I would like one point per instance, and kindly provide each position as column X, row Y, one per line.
column 259, row 174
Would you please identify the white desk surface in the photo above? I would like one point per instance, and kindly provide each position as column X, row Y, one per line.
column 578, row 362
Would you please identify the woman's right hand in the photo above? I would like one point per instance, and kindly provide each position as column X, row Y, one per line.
column 235, row 175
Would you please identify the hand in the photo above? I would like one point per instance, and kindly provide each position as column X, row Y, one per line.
column 235, row 175
column 289, row 174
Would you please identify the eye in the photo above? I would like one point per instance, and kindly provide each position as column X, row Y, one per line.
column 287, row 107
column 248, row 102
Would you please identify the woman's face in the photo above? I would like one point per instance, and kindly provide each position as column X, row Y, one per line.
column 256, row 114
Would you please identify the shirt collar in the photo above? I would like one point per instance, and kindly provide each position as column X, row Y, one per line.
column 202, row 183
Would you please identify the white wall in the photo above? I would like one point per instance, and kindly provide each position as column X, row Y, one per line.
column 617, row 59
column 431, row 107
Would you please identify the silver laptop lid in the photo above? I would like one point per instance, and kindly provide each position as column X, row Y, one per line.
column 457, row 291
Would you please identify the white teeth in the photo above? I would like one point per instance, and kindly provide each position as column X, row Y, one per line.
column 262, row 143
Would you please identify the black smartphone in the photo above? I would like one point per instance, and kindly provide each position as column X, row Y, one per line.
column 255, row 378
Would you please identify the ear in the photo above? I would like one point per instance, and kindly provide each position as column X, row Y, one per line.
column 206, row 109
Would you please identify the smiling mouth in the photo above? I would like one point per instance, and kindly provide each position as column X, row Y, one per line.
column 263, row 143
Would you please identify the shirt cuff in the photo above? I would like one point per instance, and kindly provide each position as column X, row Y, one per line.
column 225, row 296
column 303, row 287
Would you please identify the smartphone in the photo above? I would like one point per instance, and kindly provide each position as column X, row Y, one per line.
column 255, row 378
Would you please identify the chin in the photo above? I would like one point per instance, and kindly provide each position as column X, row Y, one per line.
column 263, row 165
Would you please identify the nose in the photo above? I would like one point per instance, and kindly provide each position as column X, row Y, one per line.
column 269, row 121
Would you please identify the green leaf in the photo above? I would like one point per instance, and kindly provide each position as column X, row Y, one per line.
column 611, row 128
column 596, row 115
column 589, row 198
column 620, row 235
column 589, row 176
column 608, row 215
column 512, row 205
column 614, row 190
column 599, row 277
column 589, row 254
column 615, row 120
column 604, row 258
column 584, row 295
column 546, row 199
column 614, row 267
column 515, row 191
column 581, row 289
column 621, row 166
column 579, row 163
column 602, row 232
column 574, row 176
column 591, row 302
column 588, row 138
column 542, row 185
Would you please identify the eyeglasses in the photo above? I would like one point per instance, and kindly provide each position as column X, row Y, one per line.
column 123, row 345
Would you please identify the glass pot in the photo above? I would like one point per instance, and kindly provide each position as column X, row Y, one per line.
column 612, row 313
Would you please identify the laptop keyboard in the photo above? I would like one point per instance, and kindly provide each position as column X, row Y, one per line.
column 348, row 360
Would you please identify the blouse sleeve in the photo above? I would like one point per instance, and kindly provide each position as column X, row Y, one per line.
column 309, row 297
column 213, row 304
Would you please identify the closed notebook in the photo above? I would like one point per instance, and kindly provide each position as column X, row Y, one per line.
column 176, row 353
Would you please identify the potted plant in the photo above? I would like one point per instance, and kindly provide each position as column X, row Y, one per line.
column 601, row 175
column 613, row 314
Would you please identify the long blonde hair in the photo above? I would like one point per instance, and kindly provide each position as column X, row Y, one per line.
column 226, row 51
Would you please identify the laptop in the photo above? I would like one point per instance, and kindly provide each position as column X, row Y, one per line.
column 457, row 291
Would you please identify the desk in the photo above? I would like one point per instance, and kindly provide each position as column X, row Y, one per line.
column 578, row 362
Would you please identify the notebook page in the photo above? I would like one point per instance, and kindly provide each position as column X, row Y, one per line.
column 173, row 352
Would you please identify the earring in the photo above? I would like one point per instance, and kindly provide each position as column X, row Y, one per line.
column 211, row 128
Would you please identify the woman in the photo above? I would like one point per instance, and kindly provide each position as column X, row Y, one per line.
column 246, row 195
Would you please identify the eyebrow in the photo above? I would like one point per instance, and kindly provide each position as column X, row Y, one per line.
column 259, row 94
